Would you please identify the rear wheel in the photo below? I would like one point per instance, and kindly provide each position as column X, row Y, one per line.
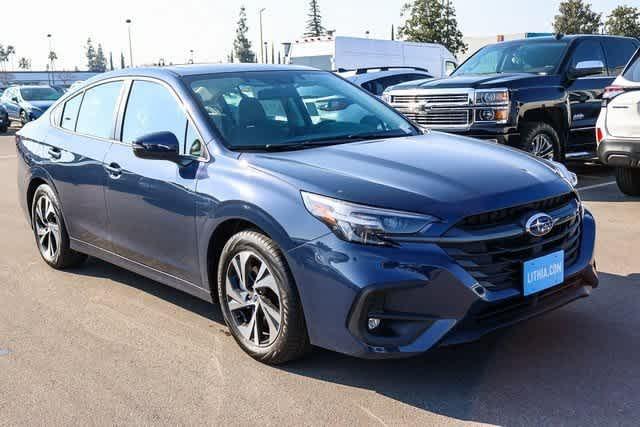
column 541, row 140
column 628, row 180
column 50, row 231
column 259, row 300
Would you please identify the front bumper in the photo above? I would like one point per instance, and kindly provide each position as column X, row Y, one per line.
column 425, row 298
column 620, row 153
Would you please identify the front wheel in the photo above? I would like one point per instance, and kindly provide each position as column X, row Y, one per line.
column 628, row 181
column 259, row 300
column 541, row 140
column 50, row 231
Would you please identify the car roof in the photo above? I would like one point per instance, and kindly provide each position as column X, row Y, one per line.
column 198, row 69
column 565, row 38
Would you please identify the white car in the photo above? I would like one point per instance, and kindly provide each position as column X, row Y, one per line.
column 618, row 128
column 377, row 80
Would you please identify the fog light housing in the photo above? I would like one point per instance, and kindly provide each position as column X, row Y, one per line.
column 373, row 323
column 493, row 115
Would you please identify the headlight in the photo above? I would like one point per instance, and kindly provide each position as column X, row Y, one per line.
column 565, row 173
column 492, row 97
column 493, row 115
column 363, row 224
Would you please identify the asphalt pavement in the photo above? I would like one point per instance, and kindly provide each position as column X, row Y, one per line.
column 99, row 345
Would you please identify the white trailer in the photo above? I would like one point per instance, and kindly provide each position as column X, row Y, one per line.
column 352, row 53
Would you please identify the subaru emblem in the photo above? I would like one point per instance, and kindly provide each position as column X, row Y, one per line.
column 539, row 225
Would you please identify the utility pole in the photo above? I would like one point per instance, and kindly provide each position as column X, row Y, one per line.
column 262, row 57
column 128, row 22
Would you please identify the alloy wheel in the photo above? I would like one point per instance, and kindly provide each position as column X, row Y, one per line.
column 47, row 225
column 542, row 146
column 253, row 299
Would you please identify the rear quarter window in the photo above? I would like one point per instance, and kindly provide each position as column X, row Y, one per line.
column 97, row 114
column 632, row 72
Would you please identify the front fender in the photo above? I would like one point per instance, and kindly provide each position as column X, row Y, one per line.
column 545, row 103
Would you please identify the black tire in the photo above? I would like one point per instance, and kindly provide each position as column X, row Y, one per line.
column 292, row 340
column 529, row 132
column 628, row 180
column 64, row 257
column 4, row 129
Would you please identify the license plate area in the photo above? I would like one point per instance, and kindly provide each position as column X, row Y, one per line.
column 543, row 273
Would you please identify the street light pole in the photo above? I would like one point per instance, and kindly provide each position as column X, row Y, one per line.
column 128, row 21
column 191, row 56
column 261, row 41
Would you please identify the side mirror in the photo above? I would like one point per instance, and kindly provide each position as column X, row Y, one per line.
column 15, row 99
column 587, row 68
column 157, row 146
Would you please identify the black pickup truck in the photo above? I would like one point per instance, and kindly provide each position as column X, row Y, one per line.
column 542, row 95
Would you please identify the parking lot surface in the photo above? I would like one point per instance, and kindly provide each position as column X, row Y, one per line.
column 100, row 345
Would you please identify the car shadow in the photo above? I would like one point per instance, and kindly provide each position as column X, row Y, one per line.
column 574, row 366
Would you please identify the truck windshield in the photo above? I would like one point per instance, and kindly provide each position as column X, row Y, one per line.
column 524, row 57
column 282, row 110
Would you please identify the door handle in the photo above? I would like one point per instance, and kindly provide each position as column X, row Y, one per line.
column 55, row 153
column 114, row 170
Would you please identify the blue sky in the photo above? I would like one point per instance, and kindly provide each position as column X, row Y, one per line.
column 169, row 28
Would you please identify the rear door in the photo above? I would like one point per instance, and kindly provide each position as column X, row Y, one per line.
column 152, row 203
column 585, row 96
column 13, row 108
column 78, row 144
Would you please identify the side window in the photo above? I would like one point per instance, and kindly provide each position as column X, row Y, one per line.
column 152, row 108
column 619, row 51
column 449, row 67
column 632, row 73
column 70, row 113
column 588, row 50
column 193, row 145
column 97, row 113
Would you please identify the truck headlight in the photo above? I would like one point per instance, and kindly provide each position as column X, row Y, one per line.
column 492, row 97
column 364, row 224
column 494, row 115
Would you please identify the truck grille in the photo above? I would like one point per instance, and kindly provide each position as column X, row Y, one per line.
column 435, row 99
column 497, row 263
column 440, row 118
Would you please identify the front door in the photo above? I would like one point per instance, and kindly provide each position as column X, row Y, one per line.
column 151, row 203
column 585, row 97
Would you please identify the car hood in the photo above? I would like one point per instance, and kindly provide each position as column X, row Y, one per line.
column 473, row 81
column 41, row 105
column 438, row 174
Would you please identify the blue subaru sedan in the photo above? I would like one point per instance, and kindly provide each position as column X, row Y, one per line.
column 312, row 212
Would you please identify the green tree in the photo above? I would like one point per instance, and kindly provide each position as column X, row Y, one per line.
column 432, row 21
column 101, row 60
column 242, row 45
column 576, row 17
column 24, row 63
column 110, row 61
column 122, row 65
column 90, row 53
column 624, row 21
column 11, row 53
column 314, row 21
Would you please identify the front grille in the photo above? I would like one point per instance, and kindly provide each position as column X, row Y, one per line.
column 513, row 214
column 445, row 98
column 440, row 118
column 497, row 263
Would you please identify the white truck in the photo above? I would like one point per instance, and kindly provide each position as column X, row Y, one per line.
column 353, row 53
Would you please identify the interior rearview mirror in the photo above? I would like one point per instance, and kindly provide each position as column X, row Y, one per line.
column 157, row 146
column 587, row 68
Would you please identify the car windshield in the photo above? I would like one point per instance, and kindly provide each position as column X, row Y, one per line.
column 266, row 110
column 524, row 57
column 39, row 94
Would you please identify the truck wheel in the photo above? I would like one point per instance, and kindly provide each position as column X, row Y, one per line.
column 628, row 180
column 541, row 140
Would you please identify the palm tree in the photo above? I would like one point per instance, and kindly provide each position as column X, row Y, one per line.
column 24, row 63
column 11, row 52
column 3, row 58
